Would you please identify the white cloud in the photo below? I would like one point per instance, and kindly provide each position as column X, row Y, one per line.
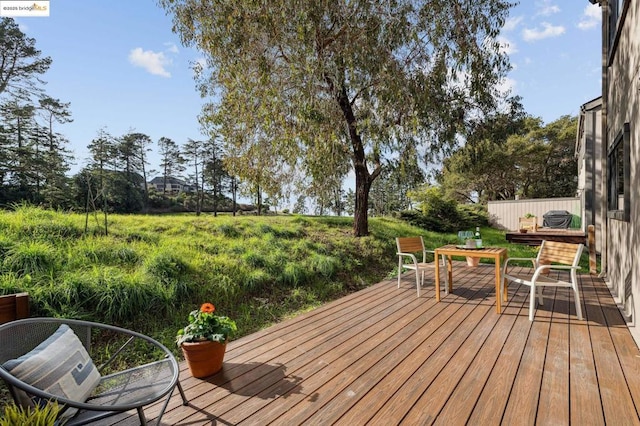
column 545, row 8
column 153, row 62
column 547, row 31
column 511, row 23
column 506, row 46
column 171, row 47
column 591, row 17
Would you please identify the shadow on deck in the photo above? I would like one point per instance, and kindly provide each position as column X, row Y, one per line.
column 384, row 356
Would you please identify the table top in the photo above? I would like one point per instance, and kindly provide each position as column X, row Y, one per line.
column 484, row 251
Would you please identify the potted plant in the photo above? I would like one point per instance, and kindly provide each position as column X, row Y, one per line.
column 204, row 340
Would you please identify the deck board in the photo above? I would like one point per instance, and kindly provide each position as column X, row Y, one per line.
column 385, row 356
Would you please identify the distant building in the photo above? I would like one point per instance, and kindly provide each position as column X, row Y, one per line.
column 174, row 185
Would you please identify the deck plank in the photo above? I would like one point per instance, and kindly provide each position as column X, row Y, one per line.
column 384, row 356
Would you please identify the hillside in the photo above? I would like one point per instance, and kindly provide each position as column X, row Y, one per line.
column 150, row 271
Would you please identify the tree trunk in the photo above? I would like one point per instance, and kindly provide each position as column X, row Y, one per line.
column 360, row 217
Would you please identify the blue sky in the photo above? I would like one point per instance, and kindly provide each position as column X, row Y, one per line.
column 121, row 67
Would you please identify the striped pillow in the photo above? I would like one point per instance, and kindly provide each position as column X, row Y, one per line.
column 60, row 365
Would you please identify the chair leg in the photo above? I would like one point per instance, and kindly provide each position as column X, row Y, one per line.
column 143, row 419
column 576, row 296
column 532, row 302
column 540, row 297
column 418, row 281
column 185, row 401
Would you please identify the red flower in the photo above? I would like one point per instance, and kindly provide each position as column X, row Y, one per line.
column 207, row 308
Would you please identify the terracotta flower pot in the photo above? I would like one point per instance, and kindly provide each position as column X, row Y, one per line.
column 473, row 261
column 204, row 358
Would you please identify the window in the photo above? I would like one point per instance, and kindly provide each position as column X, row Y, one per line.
column 618, row 196
column 617, row 12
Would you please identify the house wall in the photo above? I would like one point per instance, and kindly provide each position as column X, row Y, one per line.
column 589, row 150
column 505, row 214
column 622, row 105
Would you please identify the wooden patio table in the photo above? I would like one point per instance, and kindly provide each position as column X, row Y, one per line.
column 498, row 254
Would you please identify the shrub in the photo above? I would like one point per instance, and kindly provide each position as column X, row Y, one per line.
column 39, row 415
column 472, row 215
column 30, row 258
column 166, row 267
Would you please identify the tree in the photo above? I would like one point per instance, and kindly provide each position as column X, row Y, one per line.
column 20, row 61
column 362, row 77
column 215, row 174
column 193, row 153
column 547, row 164
column 483, row 168
column 102, row 151
column 133, row 150
column 56, row 157
column 522, row 157
column 171, row 160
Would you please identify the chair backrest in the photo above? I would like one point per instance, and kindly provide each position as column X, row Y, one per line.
column 13, row 307
column 556, row 252
column 409, row 244
column 527, row 223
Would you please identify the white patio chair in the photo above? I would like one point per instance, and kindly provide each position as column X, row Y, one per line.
column 407, row 249
column 552, row 256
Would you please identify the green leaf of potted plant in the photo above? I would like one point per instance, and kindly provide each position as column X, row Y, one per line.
column 204, row 340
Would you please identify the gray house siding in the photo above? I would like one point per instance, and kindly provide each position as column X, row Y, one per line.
column 620, row 112
column 589, row 151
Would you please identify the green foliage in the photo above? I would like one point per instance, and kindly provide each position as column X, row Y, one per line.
column 441, row 214
column 513, row 154
column 205, row 325
column 165, row 265
column 30, row 258
column 39, row 415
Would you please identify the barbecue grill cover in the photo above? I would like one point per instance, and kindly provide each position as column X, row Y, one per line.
column 557, row 219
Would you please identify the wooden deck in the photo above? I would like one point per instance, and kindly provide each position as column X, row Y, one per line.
column 383, row 356
column 531, row 238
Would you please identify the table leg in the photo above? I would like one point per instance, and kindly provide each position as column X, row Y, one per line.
column 498, row 293
column 505, row 282
column 450, row 273
column 437, row 276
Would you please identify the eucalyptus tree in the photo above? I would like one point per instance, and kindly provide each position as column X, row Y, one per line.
column 20, row 61
column 366, row 77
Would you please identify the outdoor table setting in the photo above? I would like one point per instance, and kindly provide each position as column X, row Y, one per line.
column 472, row 249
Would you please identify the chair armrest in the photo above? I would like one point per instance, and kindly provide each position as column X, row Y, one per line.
column 411, row 255
column 560, row 267
column 433, row 252
column 531, row 259
column 542, row 268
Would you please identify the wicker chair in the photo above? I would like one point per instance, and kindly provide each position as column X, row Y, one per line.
column 27, row 345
